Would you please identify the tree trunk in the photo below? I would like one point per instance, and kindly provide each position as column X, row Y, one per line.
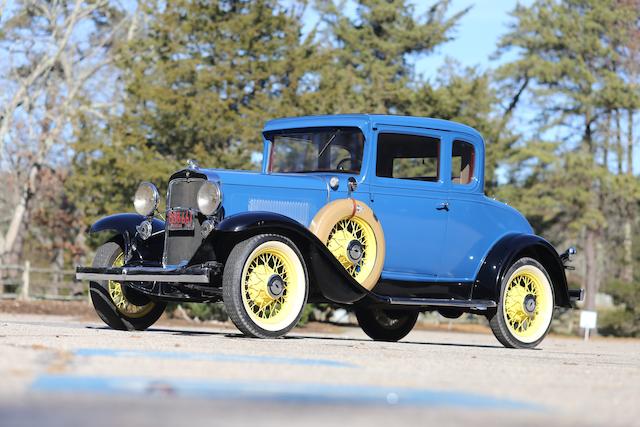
column 16, row 227
column 606, row 142
column 627, row 247
column 629, row 219
column 630, row 141
column 619, row 148
column 592, row 280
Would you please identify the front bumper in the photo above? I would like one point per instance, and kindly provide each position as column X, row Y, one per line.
column 180, row 274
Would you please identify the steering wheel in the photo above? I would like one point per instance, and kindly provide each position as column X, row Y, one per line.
column 340, row 165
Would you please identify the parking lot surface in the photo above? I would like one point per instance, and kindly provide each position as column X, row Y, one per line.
column 57, row 371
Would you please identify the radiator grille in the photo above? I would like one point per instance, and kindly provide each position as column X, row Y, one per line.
column 180, row 245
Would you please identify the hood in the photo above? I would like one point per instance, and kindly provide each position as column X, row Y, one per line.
column 298, row 196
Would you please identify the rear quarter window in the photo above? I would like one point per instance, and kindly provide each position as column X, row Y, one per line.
column 462, row 162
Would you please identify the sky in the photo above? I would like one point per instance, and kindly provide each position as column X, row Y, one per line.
column 476, row 35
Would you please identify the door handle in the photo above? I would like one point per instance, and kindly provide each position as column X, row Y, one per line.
column 444, row 206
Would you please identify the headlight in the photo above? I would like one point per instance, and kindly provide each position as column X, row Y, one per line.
column 209, row 198
column 146, row 198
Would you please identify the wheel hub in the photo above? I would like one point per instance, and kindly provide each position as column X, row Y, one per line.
column 355, row 251
column 529, row 304
column 275, row 286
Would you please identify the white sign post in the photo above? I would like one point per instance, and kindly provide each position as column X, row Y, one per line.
column 588, row 320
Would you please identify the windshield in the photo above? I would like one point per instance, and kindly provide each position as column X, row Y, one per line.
column 317, row 150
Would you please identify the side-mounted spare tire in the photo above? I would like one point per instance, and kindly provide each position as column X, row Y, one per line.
column 354, row 236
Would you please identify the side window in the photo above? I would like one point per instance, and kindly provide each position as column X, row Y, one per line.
column 408, row 157
column 462, row 161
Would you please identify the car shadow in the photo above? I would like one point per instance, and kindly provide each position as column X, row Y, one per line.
column 183, row 332
column 446, row 344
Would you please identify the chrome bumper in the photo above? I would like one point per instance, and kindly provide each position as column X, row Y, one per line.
column 199, row 274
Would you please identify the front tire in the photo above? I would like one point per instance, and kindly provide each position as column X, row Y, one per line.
column 525, row 310
column 119, row 307
column 385, row 325
column 265, row 286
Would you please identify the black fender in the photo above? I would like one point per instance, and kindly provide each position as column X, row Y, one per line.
column 509, row 249
column 125, row 225
column 326, row 274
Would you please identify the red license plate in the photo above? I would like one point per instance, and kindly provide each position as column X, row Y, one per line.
column 180, row 219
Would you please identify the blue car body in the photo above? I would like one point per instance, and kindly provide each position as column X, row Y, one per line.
column 424, row 244
column 447, row 244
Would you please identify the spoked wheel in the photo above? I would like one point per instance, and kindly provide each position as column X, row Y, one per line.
column 353, row 243
column 265, row 286
column 385, row 325
column 117, row 305
column 354, row 236
column 525, row 310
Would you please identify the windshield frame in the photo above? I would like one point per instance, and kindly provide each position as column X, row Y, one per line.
column 331, row 131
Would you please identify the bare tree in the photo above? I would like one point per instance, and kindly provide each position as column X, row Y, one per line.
column 57, row 64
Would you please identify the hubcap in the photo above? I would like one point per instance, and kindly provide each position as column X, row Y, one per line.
column 275, row 287
column 530, row 304
column 355, row 251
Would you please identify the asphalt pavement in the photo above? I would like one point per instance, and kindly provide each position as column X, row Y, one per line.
column 57, row 371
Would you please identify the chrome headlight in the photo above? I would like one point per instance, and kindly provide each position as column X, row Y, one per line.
column 146, row 198
column 209, row 198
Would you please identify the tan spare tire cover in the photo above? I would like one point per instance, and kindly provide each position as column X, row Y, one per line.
column 354, row 236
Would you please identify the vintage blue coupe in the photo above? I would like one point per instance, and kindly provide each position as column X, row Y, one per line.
column 384, row 214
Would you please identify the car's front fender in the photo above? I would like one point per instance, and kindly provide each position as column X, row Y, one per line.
column 509, row 249
column 124, row 224
column 326, row 274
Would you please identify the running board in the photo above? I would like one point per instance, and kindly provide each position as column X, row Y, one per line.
column 480, row 305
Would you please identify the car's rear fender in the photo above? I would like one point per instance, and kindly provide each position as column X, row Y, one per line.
column 125, row 225
column 509, row 249
column 327, row 276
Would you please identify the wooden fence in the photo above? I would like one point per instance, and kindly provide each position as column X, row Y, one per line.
column 26, row 282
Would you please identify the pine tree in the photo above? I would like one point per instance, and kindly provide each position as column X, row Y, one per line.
column 200, row 79
column 566, row 62
column 371, row 53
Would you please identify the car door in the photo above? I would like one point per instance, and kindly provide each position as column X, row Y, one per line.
column 472, row 224
column 410, row 199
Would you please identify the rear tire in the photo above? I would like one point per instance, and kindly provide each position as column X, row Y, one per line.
column 119, row 307
column 265, row 286
column 525, row 309
column 386, row 325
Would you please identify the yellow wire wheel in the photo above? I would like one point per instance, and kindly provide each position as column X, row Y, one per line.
column 527, row 303
column 123, row 305
column 354, row 236
column 265, row 285
column 120, row 307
